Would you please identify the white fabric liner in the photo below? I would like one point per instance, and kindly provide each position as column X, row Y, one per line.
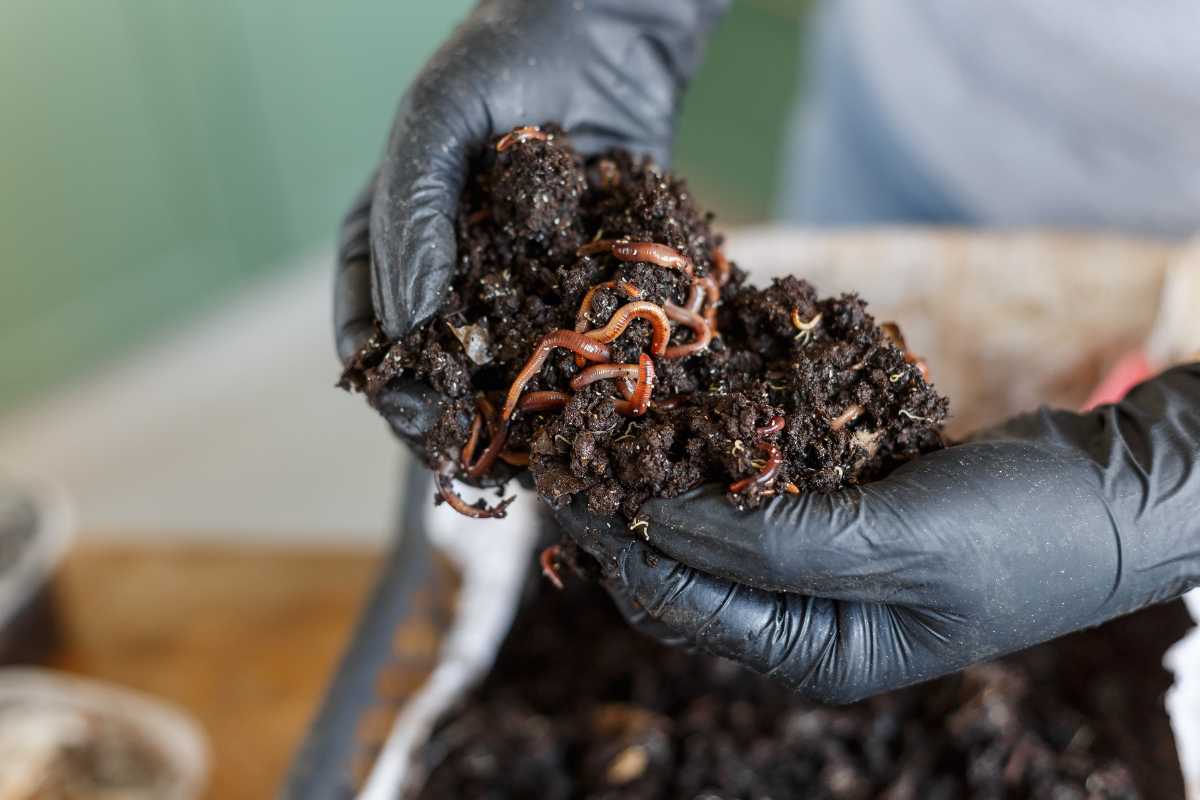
column 1006, row 321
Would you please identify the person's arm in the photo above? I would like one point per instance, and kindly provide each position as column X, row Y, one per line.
column 611, row 72
column 1047, row 524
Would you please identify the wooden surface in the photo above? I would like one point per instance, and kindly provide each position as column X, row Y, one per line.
column 244, row 639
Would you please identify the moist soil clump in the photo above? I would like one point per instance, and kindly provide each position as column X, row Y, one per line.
column 669, row 369
column 612, row 714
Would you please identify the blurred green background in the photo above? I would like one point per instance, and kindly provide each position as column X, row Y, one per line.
column 160, row 156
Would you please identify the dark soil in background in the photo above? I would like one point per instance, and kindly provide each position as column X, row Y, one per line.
column 852, row 405
column 581, row 706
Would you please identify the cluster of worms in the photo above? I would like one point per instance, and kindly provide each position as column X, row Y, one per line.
column 634, row 382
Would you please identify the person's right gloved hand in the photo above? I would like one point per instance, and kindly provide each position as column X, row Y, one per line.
column 609, row 71
column 1045, row 524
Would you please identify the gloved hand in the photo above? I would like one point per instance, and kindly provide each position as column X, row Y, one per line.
column 610, row 71
column 1049, row 523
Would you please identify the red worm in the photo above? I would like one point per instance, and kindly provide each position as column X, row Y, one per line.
column 445, row 485
column 698, row 324
column 468, row 449
column 675, row 401
column 638, row 309
column 543, row 401
column 892, row 331
column 515, row 457
column 585, row 308
column 704, row 289
column 639, row 401
column 659, row 255
column 774, row 426
column 763, row 476
column 490, row 453
column 601, row 372
column 549, row 563
column 721, row 265
column 589, row 348
column 521, row 135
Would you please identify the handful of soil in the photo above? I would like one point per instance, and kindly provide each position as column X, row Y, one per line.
column 614, row 714
column 595, row 334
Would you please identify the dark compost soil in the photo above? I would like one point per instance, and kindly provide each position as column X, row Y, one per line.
column 793, row 392
column 613, row 714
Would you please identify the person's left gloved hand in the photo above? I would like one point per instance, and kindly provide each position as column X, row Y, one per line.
column 1047, row 524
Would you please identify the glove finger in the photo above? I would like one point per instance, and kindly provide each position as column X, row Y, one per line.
column 411, row 408
column 415, row 205
column 847, row 546
column 353, row 316
column 640, row 619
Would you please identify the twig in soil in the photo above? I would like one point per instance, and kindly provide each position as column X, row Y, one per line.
column 549, row 561
column 763, row 476
column 525, row 134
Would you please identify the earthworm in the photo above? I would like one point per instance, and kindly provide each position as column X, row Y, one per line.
column 659, row 255
column 637, row 398
column 638, row 309
column 763, row 476
column 468, row 449
column 521, row 135
column 774, row 426
column 721, row 266
column 698, row 324
column 534, row 401
column 445, row 485
column 674, row 401
column 581, row 320
column 704, row 288
column 588, row 347
column 892, row 331
column 518, row 458
column 639, row 401
column 852, row 412
column 484, row 412
column 490, row 453
column 601, row 372
column 549, row 562
column 543, row 401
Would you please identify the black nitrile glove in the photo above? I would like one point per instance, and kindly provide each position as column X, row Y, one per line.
column 1047, row 524
column 610, row 71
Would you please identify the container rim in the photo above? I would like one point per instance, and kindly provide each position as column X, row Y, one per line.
column 170, row 729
